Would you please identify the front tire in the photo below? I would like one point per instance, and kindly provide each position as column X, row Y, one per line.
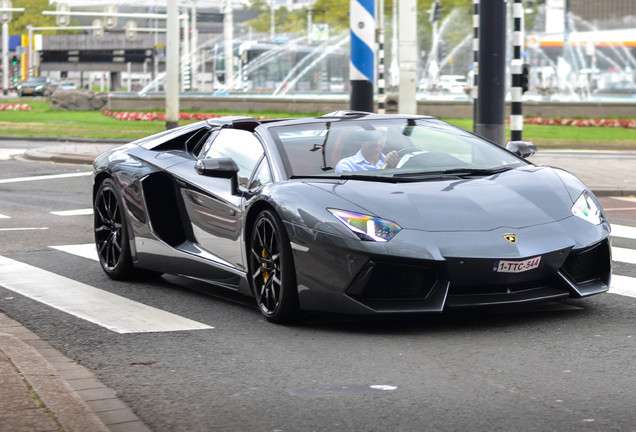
column 111, row 235
column 272, row 271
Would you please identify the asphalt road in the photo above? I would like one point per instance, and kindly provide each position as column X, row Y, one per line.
column 555, row 366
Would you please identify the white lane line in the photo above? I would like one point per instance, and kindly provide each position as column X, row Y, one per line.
column 624, row 255
column 100, row 307
column 624, row 231
column 4, row 217
column 45, row 177
column 623, row 285
column 87, row 250
column 24, row 229
column 78, row 212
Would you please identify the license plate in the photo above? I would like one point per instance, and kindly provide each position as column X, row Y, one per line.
column 28, row 91
column 503, row 266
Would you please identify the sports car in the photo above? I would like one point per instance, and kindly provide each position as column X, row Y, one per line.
column 256, row 206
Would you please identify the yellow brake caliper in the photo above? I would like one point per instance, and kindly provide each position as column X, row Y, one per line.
column 265, row 255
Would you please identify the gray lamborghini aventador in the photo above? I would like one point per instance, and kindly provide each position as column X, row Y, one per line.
column 349, row 212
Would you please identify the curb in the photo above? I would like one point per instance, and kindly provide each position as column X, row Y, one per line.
column 77, row 400
column 66, row 139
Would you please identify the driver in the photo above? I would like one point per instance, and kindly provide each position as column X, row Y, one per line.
column 370, row 155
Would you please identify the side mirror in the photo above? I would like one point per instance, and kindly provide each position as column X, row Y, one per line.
column 523, row 149
column 219, row 168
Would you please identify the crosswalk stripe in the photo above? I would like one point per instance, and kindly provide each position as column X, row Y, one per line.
column 624, row 231
column 24, row 229
column 78, row 212
column 45, row 177
column 624, row 255
column 623, row 285
column 100, row 307
column 83, row 250
column 4, row 217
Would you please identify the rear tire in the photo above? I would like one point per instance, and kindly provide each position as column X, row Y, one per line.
column 111, row 234
column 272, row 272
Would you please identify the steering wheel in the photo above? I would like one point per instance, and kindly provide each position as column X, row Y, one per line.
column 403, row 152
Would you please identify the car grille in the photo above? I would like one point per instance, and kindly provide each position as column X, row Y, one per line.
column 388, row 281
column 502, row 288
column 589, row 264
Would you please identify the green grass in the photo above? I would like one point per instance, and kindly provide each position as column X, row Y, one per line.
column 570, row 137
column 42, row 121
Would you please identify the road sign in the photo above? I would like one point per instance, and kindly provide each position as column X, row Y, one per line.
column 131, row 29
column 63, row 20
column 98, row 31
column 5, row 15
column 110, row 21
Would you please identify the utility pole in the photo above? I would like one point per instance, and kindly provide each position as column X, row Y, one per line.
column 490, row 122
column 407, row 43
column 6, row 9
column 228, row 32
column 172, row 64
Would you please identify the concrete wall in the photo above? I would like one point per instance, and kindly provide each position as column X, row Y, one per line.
column 444, row 109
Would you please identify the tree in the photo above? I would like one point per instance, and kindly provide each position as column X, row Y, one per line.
column 285, row 21
column 32, row 15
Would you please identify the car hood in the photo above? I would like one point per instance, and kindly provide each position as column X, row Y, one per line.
column 517, row 198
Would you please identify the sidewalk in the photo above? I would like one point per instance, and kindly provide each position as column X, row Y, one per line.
column 45, row 391
column 606, row 173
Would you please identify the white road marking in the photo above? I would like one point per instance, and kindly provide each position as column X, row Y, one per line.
column 624, row 231
column 630, row 199
column 5, row 154
column 45, row 177
column 24, row 229
column 4, row 217
column 100, row 307
column 623, row 285
column 87, row 250
column 624, row 255
column 78, row 212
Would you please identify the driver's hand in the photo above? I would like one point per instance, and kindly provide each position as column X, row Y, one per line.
column 392, row 159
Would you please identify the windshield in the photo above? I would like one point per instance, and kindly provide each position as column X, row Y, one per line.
column 389, row 148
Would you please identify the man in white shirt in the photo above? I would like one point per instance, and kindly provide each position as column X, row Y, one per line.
column 370, row 155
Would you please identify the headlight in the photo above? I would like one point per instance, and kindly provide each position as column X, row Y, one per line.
column 586, row 208
column 367, row 227
column 39, row 87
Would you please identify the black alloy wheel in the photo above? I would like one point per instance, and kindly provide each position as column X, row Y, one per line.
column 111, row 236
column 272, row 271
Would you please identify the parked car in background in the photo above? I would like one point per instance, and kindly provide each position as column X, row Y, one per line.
column 453, row 83
column 34, row 86
column 67, row 85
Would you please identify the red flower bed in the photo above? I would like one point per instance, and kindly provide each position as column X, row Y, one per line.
column 149, row 116
column 15, row 107
column 624, row 123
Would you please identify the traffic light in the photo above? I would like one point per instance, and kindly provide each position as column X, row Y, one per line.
column 525, row 77
column 436, row 11
column 441, row 51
